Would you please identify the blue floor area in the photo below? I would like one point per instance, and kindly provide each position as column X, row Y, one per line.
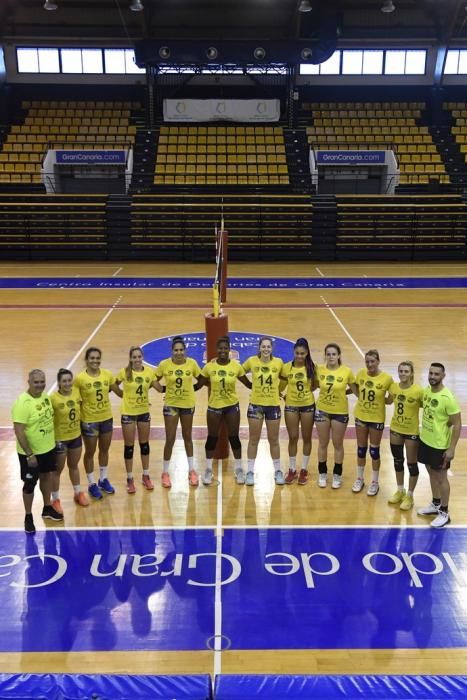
column 320, row 283
column 329, row 588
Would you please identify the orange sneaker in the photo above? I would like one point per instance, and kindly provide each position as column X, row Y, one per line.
column 130, row 486
column 147, row 483
column 291, row 476
column 193, row 477
column 165, row 480
column 81, row 499
column 56, row 505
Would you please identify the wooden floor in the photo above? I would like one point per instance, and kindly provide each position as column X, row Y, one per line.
column 49, row 328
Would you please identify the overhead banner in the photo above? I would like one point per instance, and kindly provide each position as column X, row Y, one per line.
column 91, row 157
column 350, row 157
column 221, row 110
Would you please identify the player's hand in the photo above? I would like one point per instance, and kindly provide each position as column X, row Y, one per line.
column 447, row 457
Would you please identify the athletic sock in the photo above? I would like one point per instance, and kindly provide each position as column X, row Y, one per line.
column 165, row 465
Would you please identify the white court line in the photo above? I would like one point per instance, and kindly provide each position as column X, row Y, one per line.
column 117, row 271
column 218, row 581
column 319, row 272
column 87, row 341
column 283, row 526
column 333, row 313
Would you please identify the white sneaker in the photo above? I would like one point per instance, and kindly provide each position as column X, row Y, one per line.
column 322, row 481
column 358, row 484
column 441, row 519
column 373, row 489
column 250, row 479
column 336, row 481
column 207, row 478
column 279, row 477
column 430, row 509
column 240, row 476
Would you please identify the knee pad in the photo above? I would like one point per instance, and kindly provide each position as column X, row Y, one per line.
column 29, row 485
column 374, row 452
column 413, row 469
column 235, row 443
column 211, row 443
column 128, row 452
column 398, row 454
column 144, row 448
column 361, row 452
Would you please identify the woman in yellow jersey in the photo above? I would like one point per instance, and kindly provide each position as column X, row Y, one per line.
column 136, row 379
column 299, row 407
column 94, row 385
column 370, row 411
column 264, row 405
column 404, row 430
column 221, row 374
column 66, row 402
column 178, row 373
column 335, row 381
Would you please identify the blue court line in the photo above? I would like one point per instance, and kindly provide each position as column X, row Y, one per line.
column 319, row 283
column 282, row 588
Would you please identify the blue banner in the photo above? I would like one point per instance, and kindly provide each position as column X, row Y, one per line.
column 321, row 283
column 291, row 588
column 350, row 157
column 108, row 157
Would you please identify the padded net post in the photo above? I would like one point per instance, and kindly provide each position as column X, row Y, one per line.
column 215, row 327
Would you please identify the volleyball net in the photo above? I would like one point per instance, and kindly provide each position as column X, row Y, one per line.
column 219, row 288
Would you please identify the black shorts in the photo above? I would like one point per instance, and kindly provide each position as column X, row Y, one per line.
column 46, row 463
column 234, row 408
column 369, row 424
column 431, row 456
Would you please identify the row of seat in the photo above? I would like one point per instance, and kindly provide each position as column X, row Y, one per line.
column 94, row 114
column 80, row 104
column 230, row 158
column 363, row 105
column 221, row 140
column 87, row 143
column 220, row 130
column 372, row 140
column 366, row 123
column 221, row 180
column 363, row 130
column 74, row 121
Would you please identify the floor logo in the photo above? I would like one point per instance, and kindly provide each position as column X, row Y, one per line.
column 243, row 345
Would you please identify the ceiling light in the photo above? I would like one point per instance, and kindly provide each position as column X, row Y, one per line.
column 388, row 6
column 306, row 54
column 305, row 6
column 259, row 53
column 164, row 52
column 136, row 6
column 212, row 53
column 49, row 5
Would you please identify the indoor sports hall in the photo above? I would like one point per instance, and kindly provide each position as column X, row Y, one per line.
column 262, row 169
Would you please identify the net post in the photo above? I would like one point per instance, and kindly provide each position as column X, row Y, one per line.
column 216, row 327
column 224, row 262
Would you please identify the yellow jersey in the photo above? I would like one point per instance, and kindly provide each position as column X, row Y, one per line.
column 265, row 379
column 179, row 382
column 36, row 414
column 222, row 381
column 407, row 404
column 299, row 391
column 66, row 415
column 95, row 404
column 438, row 406
column 333, row 385
column 371, row 405
column 135, row 399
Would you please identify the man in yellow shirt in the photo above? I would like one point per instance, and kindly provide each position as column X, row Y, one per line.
column 441, row 429
column 33, row 422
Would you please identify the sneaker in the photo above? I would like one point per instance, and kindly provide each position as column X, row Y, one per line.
column 49, row 513
column 430, row 509
column 165, row 480
column 407, row 502
column 397, row 497
column 279, row 477
column 358, row 484
column 207, row 478
column 147, row 482
column 81, row 499
column 130, row 486
column 291, row 476
column 95, row 492
column 250, row 479
column 441, row 519
column 373, row 489
column 105, row 485
column 322, row 481
column 240, row 477
column 193, row 477
column 302, row 477
column 56, row 505
column 29, row 526
column 336, row 481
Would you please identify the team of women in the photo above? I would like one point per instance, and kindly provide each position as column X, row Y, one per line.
column 83, row 415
